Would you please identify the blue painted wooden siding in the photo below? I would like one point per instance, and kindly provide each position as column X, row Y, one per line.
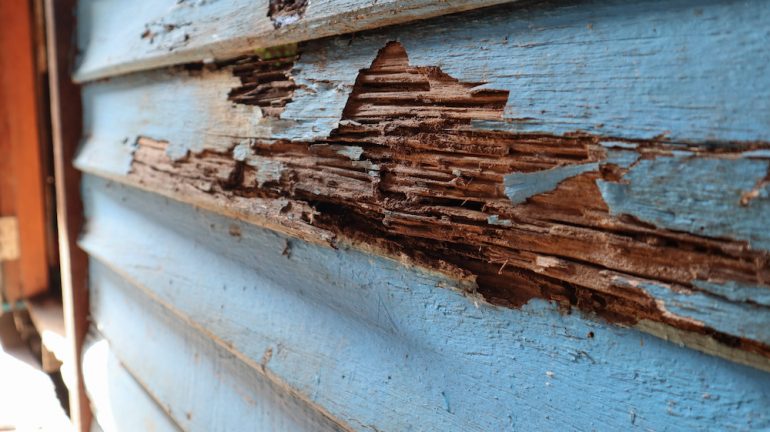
column 156, row 33
column 376, row 344
column 244, row 328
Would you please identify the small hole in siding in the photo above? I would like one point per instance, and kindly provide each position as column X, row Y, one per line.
column 285, row 12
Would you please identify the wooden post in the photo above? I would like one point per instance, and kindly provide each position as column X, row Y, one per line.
column 21, row 168
column 66, row 131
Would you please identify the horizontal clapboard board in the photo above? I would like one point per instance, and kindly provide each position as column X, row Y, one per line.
column 226, row 310
column 120, row 37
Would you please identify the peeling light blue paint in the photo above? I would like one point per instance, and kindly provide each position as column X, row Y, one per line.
column 601, row 67
column 736, row 291
column 698, row 195
column 631, row 70
column 268, row 170
column 377, row 343
column 322, row 93
column 118, row 111
column 520, row 186
column 351, row 152
column 243, row 150
column 618, row 144
column 620, row 153
column 742, row 319
column 621, row 158
column 495, row 220
column 762, row 153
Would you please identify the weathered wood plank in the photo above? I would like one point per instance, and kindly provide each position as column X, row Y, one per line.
column 201, row 385
column 607, row 74
column 526, row 215
column 47, row 316
column 353, row 331
column 66, row 135
column 118, row 37
column 119, row 402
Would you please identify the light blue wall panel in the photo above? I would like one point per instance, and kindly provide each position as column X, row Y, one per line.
column 117, row 36
column 201, row 385
column 118, row 401
column 685, row 70
column 692, row 71
column 381, row 345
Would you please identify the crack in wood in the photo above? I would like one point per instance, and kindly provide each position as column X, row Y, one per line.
column 406, row 174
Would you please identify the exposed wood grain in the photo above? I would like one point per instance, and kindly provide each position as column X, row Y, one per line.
column 405, row 173
column 118, row 37
column 610, row 82
column 352, row 331
column 21, row 148
column 66, row 127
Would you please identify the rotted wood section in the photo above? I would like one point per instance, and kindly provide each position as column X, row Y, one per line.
column 235, row 318
column 523, row 215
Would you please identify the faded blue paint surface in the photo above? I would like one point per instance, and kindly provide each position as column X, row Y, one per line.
column 698, row 195
column 201, row 385
column 118, row 402
column 117, row 112
column 736, row 291
column 612, row 68
column 116, row 37
column 383, row 346
column 692, row 70
column 520, row 186
column 744, row 320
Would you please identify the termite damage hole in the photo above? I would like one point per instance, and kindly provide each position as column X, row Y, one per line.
column 285, row 12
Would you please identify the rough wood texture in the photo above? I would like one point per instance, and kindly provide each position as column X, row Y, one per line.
column 379, row 345
column 21, row 189
column 118, row 37
column 66, row 127
column 406, row 174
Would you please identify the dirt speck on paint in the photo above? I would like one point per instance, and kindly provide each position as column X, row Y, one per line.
column 234, row 230
column 266, row 358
